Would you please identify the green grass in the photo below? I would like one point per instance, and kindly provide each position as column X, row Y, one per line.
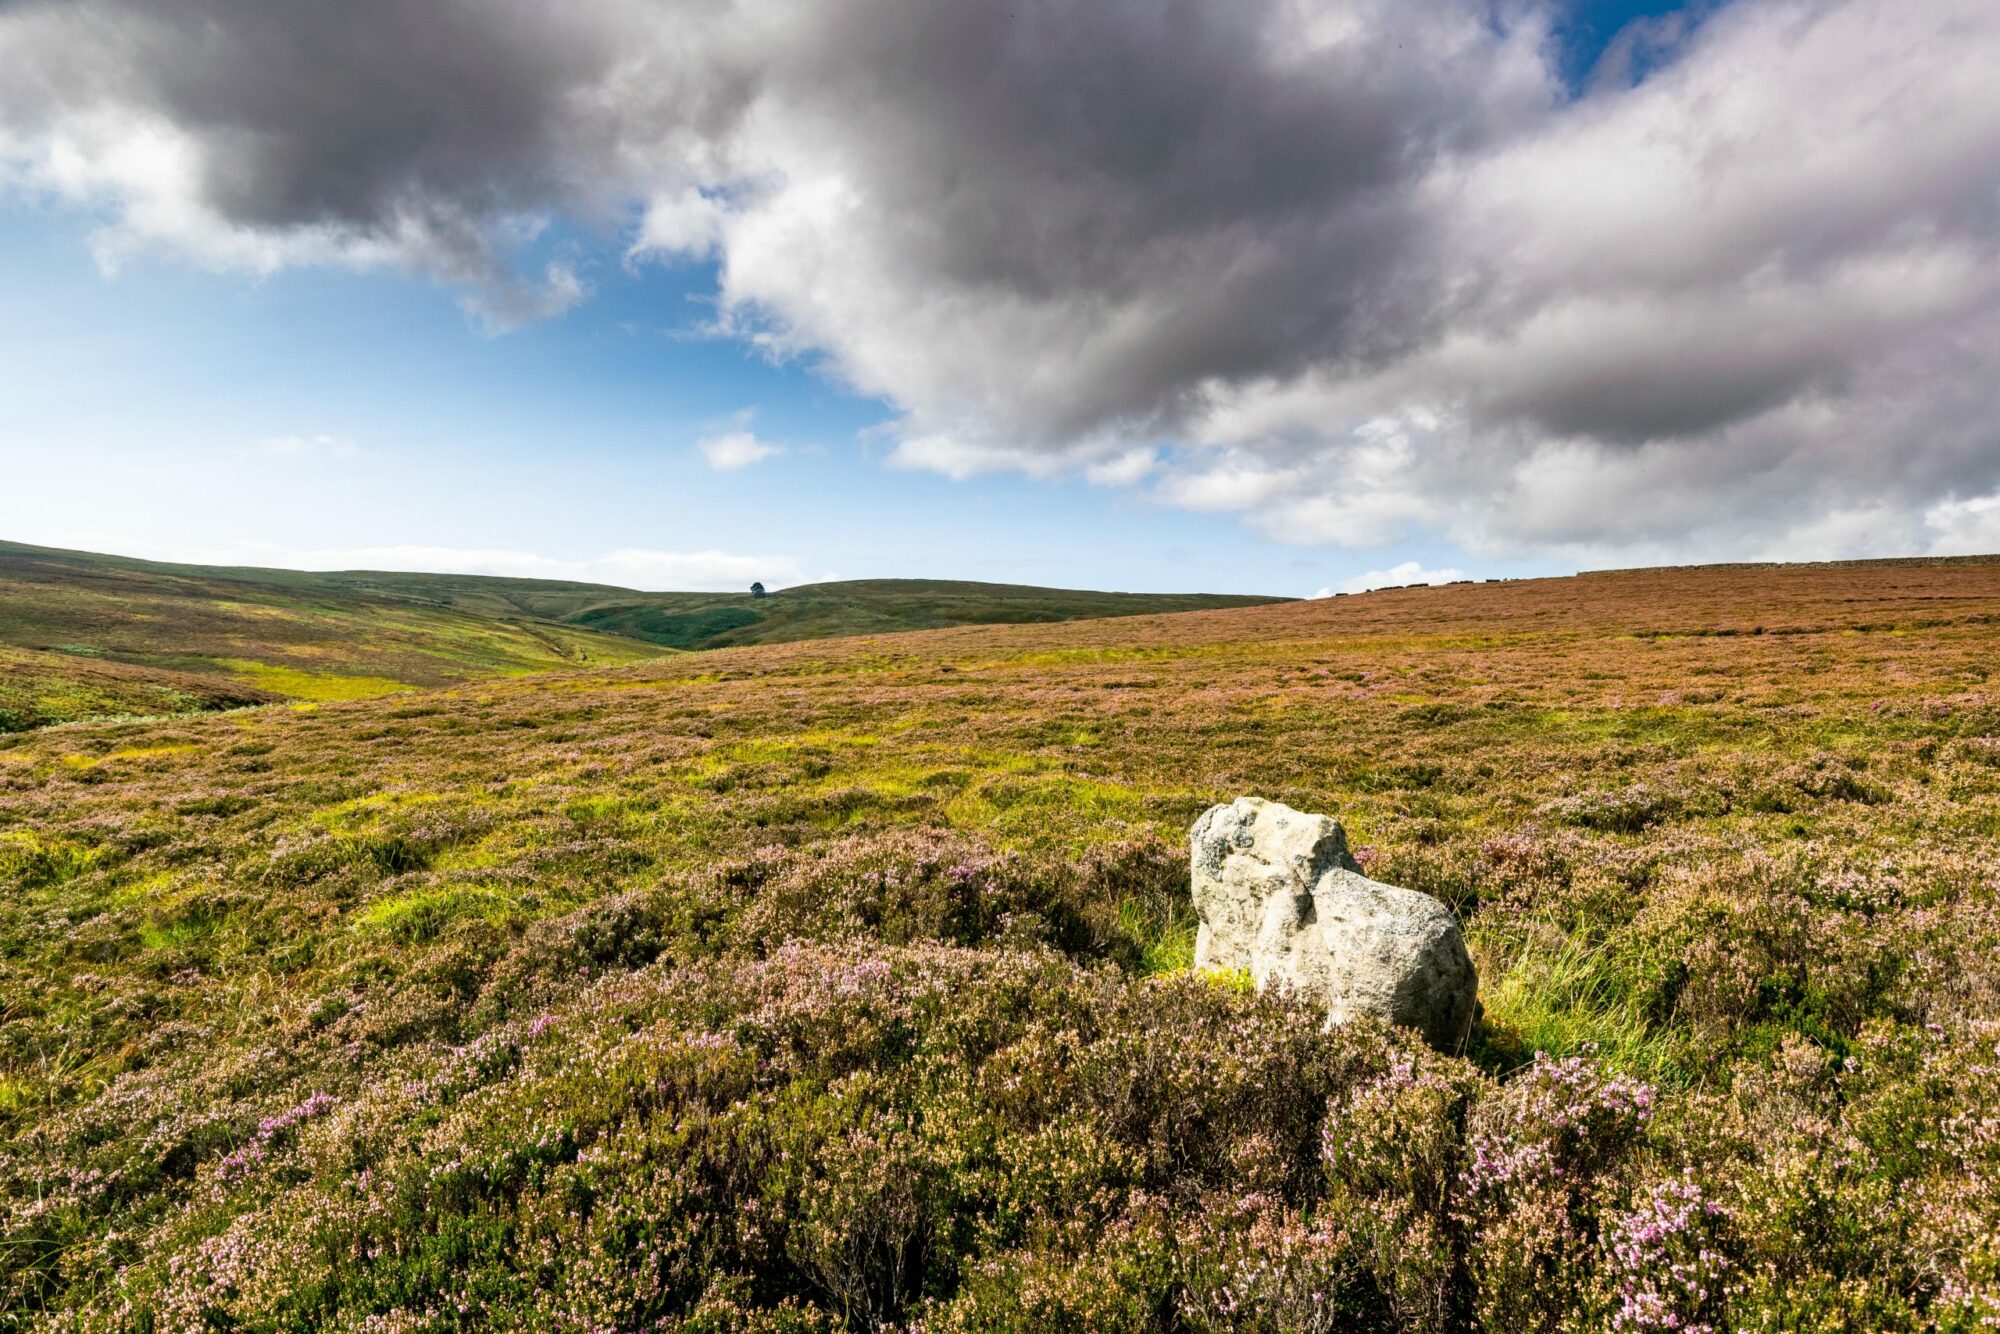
column 319, row 686
column 422, row 916
column 34, row 863
column 1165, row 933
column 1577, row 1000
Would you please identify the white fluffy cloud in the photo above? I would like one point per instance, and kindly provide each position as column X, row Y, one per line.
column 1348, row 268
column 737, row 449
column 1396, row 576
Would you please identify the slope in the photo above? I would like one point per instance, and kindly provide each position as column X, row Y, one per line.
column 870, row 607
column 95, row 634
column 806, row 611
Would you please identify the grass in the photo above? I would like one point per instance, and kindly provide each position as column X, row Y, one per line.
column 828, row 983
column 1575, row 1000
column 421, row 916
column 316, row 686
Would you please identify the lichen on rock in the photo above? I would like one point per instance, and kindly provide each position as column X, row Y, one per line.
column 1281, row 898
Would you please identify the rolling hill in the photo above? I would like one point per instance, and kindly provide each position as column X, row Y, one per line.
column 727, row 620
column 871, row 607
column 91, row 635
column 86, row 635
column 844, row 984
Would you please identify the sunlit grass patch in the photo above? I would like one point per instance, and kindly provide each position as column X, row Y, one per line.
column 1164, row 931
column 1043, row 808
column 14, row 1093
column 196, row 922
column 142, row 890
column 314, row 686
column 359, row 811
column 1574, row 1000
column 148, row 752
column 33, row 862
column 423, row 915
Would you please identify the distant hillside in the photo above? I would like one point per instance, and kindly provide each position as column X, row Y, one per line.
column 92, row 636
column 723, row 620
column 102, row 635
column 870, row 606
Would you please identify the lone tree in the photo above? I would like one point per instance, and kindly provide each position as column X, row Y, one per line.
column 757, row 590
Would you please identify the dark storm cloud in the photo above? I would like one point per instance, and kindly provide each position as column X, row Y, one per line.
column 1344, row 266
column 420, row 133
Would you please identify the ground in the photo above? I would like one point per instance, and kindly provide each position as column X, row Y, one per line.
column 845, row 984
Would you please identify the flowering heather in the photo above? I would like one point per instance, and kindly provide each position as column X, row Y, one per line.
column 1555, row 1119
column 1665, row 1262
column 845, row 986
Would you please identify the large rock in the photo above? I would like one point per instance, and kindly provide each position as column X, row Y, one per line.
column 1280, row 897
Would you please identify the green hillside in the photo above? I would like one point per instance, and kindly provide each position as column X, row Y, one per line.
column 870, row 606
column 723, row 620
column 106, row 635
column 98, row 635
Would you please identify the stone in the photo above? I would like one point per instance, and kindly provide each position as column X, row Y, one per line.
column 1281, row 898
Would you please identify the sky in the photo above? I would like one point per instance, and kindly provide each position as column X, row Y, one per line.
column 1280, row 296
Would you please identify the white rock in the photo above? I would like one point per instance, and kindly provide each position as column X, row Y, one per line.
column 1280, row 898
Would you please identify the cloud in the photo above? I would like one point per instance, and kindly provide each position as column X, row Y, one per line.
column 1126, row 469
column 1398, row 576
column 434, row 138
column 737, row 449
column 631, row 567
column 1964, row 527
column 1353, row 270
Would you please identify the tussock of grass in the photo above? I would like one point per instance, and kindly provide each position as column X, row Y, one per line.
column 1576, row 1000
column 1164, row 930
column 423, row 915
column 30, row 862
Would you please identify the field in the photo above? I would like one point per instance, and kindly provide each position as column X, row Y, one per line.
column 88, row 636
column 843, row 984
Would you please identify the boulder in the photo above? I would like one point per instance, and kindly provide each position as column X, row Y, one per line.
column 1280, row 898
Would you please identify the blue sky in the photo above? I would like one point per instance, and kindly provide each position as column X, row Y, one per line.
column 150, row 413
column 208, row 351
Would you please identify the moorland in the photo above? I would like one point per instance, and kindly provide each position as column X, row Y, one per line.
column 91, row 636
column 844, row 984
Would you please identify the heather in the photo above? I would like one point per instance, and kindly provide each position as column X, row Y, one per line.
column 845, row 985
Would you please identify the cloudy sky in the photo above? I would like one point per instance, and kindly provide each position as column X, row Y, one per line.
column 1272, row 295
